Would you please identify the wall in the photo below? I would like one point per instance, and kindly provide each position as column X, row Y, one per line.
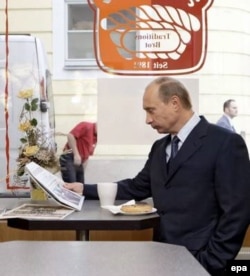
column 75, row 101
column 121, row 118
column 29, row 17
column 226, row 71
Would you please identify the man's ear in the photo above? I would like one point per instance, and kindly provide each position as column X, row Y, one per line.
column 175, row 101
column 226, row 110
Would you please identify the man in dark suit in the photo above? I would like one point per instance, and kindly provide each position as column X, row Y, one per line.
column 202, row 194
column 230, row 110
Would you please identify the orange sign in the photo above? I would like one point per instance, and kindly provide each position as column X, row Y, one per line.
column 142, row 37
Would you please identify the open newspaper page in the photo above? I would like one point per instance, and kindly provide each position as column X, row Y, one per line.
column 37, row 211
column 53, row 185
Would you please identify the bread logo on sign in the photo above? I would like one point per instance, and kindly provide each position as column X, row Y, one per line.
column 140, row 37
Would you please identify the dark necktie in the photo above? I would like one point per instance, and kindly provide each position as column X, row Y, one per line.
column 174, row 146
column 174, row 150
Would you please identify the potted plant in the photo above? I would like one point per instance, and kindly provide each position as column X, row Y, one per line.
column 35, row 146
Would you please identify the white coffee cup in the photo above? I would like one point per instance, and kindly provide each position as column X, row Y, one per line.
column 107, row 193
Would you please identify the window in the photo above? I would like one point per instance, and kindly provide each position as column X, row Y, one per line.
column 79, row 48
column 120, row 22
column 73, row 36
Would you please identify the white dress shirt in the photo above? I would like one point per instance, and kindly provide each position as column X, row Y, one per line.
column 183, row 133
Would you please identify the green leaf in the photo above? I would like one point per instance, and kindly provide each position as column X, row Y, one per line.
column 34, row 104
column 27, row 106
column 34, row 107
column 34, row 101
column 33, row 122
column 23, row 140
column 21, row 171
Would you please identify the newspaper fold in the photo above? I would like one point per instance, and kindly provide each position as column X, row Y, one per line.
column 53, row 186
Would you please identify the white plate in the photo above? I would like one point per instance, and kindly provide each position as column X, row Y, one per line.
column 139, row 214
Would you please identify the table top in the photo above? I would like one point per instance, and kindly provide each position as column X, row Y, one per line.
column 96, row 258
column 91, row 217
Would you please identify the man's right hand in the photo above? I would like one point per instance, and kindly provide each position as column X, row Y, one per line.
column 76, row 187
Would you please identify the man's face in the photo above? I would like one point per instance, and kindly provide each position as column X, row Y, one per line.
column 162, row 116
column 232, row 110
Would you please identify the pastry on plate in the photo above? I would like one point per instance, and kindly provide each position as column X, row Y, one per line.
column 137, row 208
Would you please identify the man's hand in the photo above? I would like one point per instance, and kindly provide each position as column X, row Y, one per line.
column 76, row 187
column 77, row 159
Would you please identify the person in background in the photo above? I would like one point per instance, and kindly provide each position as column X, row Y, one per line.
column 230, row 111
column 198, row 176
column 81, row 142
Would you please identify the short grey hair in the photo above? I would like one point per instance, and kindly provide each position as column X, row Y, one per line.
column 169, row 87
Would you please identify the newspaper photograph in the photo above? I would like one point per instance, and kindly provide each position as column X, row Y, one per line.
column 37, row 211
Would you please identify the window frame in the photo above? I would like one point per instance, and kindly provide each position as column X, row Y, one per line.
column 75, row 63
column 69, row 69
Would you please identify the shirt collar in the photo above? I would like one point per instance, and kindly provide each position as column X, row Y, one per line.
column 188, row 127
column 229, row 119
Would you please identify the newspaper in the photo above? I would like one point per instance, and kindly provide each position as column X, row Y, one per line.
column 53, row 185
column 37, row 211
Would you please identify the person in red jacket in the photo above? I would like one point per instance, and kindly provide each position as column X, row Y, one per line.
column 81, row 142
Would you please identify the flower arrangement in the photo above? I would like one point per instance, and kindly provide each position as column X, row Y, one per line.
column 34, row 146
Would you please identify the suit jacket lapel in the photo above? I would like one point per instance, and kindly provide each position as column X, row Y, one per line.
column 189, row 147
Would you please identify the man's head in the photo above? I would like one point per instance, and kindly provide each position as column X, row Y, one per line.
column 230, row 108
column 167, row 104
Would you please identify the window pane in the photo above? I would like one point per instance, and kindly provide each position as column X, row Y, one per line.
column 80, row 28
column 80, row 32
column 80, row 17
column 80, row 46
column 128, row 42
column 122, row 18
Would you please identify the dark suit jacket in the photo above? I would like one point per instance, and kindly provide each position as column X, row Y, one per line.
column 204, row 200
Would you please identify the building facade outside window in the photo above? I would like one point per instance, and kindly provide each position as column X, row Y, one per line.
column 77, row 50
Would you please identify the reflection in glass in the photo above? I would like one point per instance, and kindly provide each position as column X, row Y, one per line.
column 80, row 17
column 80, row 32
column 80, row 46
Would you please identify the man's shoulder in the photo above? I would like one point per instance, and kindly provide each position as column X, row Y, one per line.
column 223, row 120
column 206, row 127
column 81, row 127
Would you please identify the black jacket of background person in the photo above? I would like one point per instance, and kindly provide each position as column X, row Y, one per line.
column 204, row 199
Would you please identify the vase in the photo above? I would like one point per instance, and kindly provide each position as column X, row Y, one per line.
column 36, row 192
